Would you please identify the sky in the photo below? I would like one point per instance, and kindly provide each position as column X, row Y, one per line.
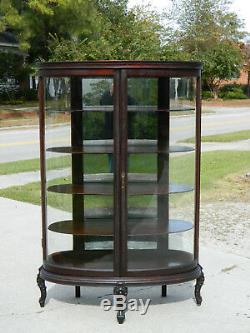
column 241, row 7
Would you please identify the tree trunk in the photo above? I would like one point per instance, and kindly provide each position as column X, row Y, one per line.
column 214, row 85
column 248, row 84
column 215, row 89
column 215, row 94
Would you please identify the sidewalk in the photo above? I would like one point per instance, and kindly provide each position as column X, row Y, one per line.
column 22, row 178
column 226, row 293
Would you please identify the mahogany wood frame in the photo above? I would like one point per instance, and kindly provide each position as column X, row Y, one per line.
column 120, row 71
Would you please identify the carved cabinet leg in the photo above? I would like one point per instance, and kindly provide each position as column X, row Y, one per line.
column 42, row 286
column 199, row 283
column 121, row 290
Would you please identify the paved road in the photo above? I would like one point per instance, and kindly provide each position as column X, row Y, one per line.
column 20, row 144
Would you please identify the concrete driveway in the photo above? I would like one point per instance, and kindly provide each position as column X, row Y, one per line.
column 226, row 293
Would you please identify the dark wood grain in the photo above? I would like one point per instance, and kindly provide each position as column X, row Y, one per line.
column 197, row 168
column 94, row 188
column 116, row 227
column 104, row 227
column 106, row 148
column 41, row 96
column 120, row 64
column 138, row 260
column 87, row 278
column 77, row 171
column 131, row 108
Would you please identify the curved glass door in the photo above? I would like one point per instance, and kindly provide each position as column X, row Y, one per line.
column 160, row 174
column 80, row 174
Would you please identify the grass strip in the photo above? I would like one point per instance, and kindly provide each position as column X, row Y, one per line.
column 225, row 137
column 92, row 163
column 222, row 178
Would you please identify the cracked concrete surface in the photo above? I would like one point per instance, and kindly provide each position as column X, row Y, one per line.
column 226, row 293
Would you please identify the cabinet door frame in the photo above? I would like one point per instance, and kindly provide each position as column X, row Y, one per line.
column 123, row 116
column 123, row 169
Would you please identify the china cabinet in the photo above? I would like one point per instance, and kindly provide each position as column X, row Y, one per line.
column 120, row 190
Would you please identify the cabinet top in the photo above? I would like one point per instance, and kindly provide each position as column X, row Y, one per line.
column 121, row 64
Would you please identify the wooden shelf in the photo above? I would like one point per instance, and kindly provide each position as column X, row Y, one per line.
column 144, row 260
column 104, row 227
column 131, row 108
column 85, row 260
column 138, row 260
column 94, row 188
column 106, row 147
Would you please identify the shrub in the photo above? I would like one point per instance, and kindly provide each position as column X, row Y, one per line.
column 231, row 87
column 207, row 94
column 12, row 102
column 13, row 95
column 236, row 92
column 8, row 96
column 29, row 94
column 234, row 95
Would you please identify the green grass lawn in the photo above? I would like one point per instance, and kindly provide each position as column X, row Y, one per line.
column 92, row 164
column 222, row 175
column 19, row 166
column 226, row 137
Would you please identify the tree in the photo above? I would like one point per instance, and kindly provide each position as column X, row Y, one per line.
column 82, row 29
column 207, row 31
column 246, row 51
column 34, row 21
column 120, row 34
column 221, row 62
column 62, row 30
column 202, row 23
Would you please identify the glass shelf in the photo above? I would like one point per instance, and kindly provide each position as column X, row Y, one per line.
column 106, row 146
column 104, row 188
column 104, row 227
column 131, row 108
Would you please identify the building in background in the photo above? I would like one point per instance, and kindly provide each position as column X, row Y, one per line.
column 244, row 77
column 9, row 43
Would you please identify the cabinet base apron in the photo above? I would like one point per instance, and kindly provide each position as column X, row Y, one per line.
column 120, row 283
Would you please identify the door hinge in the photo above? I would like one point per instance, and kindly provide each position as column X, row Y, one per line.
column 123, row 181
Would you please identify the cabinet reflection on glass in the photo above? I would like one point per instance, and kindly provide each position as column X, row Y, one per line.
column 120, row 189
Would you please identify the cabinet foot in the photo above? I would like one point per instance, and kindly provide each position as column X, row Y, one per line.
column 77, row 291
column 120, row 317
column 41, row 284
column 121, row 290
column 164, row 290
column 199, row 283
